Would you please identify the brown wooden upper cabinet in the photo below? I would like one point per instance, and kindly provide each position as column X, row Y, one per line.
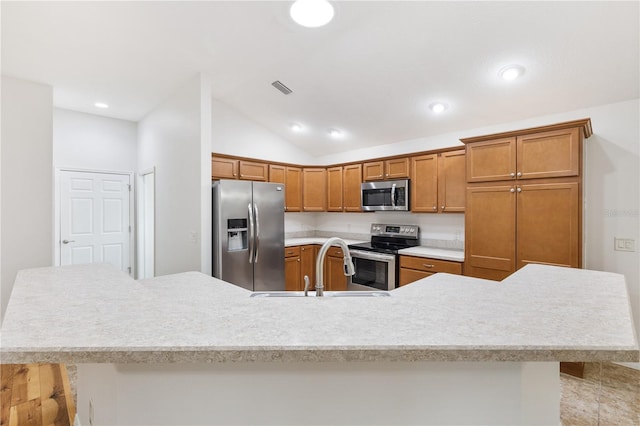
column 314, row 189
column 424, row 183
column 438, row 182
column 451, row 181
column 291, row 177
column 343, row 188
column 224, row 168
column 351, row 192
column 229, row 168
column 249, row 170
column 540, row 154
column 334, row 189
column 396, row 168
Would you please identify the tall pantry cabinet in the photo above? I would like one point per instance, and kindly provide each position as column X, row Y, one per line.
column 524, row 197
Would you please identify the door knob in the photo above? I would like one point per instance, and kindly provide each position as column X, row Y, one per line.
column 68, row 241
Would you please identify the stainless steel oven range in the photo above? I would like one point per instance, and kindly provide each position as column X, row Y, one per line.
column 377, row 263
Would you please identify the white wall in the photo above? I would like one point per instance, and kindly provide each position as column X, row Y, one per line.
column 26, row 180
column 93, row 142
column 170, row 138
column 235, row 134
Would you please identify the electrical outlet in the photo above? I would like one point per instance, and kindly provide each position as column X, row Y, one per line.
column 90, row 412
column 624, row 244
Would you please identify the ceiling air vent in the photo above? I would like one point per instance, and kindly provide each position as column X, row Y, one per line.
column 281, row 87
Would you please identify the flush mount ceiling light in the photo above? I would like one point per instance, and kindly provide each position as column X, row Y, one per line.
column 311, row 13
column 295, row 127
column 101, row 105
column 335, row 133
column 437, row 107
column 511, row 72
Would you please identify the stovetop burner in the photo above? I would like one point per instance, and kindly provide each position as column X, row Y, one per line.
column 390, row 238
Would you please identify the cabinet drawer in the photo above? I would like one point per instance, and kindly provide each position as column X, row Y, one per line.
column 408, row 276
column 292, row 251
column 430, row 265
column 335, row 252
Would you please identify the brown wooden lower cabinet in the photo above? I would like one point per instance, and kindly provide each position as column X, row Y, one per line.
column 511, row 224
column 334, row 277
column 298, row 262
column 292, row 268
column 413, row 268
column 308, row 256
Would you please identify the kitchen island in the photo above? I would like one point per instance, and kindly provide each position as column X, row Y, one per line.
column 191, row 349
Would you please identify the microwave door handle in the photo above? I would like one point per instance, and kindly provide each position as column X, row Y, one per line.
column 393, row 195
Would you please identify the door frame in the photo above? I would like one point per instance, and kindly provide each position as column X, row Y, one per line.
column 140, row 219
column 56, row 210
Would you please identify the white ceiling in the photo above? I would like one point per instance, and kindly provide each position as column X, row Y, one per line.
column 372, row 72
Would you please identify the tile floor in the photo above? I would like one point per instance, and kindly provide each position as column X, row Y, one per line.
column 608, row 395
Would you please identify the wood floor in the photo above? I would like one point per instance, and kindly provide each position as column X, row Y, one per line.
column 35, row 394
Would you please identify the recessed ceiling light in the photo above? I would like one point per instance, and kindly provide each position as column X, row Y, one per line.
column 101, row 105
column 511, row 72
column 295, row 127
column 335, row 133
column 437, row 107
column 311, row 13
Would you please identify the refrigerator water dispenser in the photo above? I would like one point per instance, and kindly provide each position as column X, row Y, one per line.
column 237, row 234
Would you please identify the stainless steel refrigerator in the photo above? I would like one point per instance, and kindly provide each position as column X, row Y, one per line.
column 248, row 234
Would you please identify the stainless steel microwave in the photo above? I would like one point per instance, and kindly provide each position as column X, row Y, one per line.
column 385, row 195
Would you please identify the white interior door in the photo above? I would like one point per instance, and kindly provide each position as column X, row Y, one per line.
column 95, row 219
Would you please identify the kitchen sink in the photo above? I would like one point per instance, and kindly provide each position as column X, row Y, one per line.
column 326, row 294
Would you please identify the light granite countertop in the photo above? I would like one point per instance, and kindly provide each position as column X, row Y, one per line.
column 97, row 314
column 303, row 241
column 434, row 253
column 420, row 251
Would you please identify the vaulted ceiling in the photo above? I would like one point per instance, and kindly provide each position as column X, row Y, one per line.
column 371, row 73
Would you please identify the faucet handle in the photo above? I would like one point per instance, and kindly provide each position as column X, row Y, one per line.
column 307, row 284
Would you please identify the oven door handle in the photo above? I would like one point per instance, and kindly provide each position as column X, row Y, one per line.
column 372, row 256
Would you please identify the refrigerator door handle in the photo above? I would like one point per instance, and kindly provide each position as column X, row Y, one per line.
column 257, row 233
column 251, row 228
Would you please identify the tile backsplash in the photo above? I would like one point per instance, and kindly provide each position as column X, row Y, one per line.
column 441, row 230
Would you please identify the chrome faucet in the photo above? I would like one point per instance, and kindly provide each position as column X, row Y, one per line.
column 349, row 269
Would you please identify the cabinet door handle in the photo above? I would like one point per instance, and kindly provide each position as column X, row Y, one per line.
column 426, row 265
column 442, row 207
column 298, row 259
column 435, row 207
column 519, row 189
column 512, row 174
column 519, row 174
column 302, row 249
column 512, row 190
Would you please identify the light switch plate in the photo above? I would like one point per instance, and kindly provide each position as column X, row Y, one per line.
column 624, row 244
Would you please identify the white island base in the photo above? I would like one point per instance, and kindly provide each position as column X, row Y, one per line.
column 320, row 393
